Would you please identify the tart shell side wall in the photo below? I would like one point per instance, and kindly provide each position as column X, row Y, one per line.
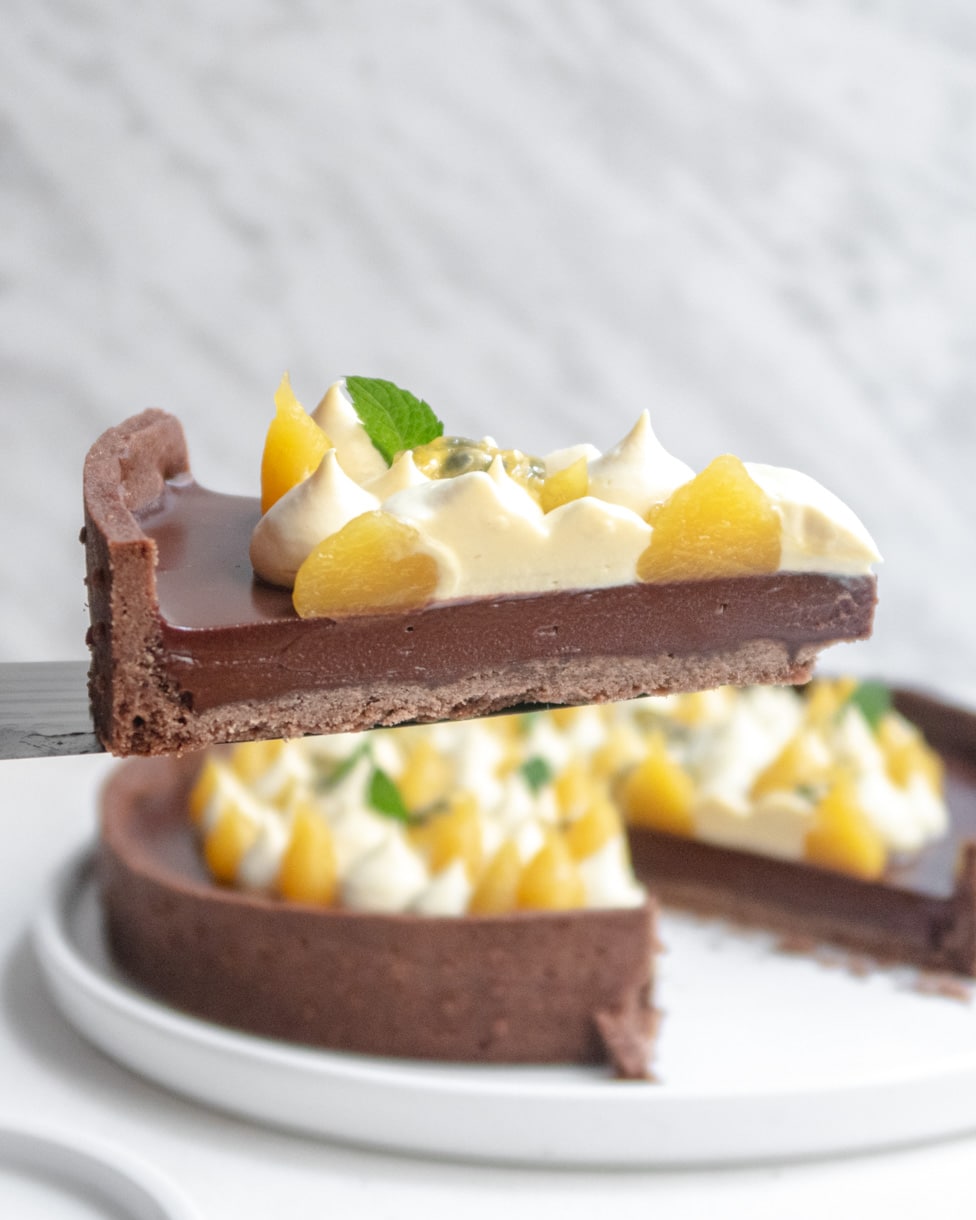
column 922, row 912
column 528, row 988
column 127, row 469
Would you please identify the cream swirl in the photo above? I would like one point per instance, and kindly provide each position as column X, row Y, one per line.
column 489, row 534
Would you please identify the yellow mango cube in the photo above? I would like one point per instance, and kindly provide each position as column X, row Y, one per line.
column 374, row 564
column 454, row 835
column 622, row 747
column 572, row 483
column 658, row 792
column 720, row 523
column 907, row 754
column 574, row 787
column 842, row 837
column 293, row 447
column 204, row 789
column 426, row 776
column 594, row 829
column 250, row 759
column 497, row 890
column 825, row 698
column 551, row 880
column 308, row 871
column 796, row 764
column 225, row 844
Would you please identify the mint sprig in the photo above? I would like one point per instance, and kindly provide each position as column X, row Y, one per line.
column 393, row 418
column 873, row 701
column 330, row 778
column 384, row 796
column 536, row 772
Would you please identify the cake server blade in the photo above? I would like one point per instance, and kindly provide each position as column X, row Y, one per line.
column 44, row 710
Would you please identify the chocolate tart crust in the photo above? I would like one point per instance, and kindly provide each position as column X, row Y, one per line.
column 189, row 649
column 922, row 912
column 533, row 987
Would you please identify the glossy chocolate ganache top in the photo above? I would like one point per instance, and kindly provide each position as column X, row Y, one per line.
column 222, row 626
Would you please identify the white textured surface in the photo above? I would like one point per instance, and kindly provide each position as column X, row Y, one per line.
column 541, row 217
column 756, row 219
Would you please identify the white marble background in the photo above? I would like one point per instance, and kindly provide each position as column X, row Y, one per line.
column 756, row 219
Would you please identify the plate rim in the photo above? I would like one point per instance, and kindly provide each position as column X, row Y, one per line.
column 64, row 965
column 85, row 1163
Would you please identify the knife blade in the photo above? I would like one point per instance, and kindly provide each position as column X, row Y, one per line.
column 44, row 710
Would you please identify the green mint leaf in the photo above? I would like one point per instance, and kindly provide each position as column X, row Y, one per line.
column 393, row 418
column 873, row 700
column 384, row 796
column 335, row 777
column 536, row 772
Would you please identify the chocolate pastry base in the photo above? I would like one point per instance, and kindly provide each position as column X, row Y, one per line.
column 922, row 912
column 533, row 987
column 189, row 649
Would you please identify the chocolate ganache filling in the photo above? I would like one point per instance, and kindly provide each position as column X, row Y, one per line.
column 226, row 632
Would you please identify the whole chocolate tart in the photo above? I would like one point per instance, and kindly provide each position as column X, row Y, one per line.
column 923, row 911
column 530, row 987
column 189, row 649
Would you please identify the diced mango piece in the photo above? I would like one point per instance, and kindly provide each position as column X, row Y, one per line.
column 308, row 871
column 373, row 564
column 658, row 792
column 796, row 764
column 826, row 697
column 574, row 787
column 250, row 759
column 842, row 837
column 621, row 748
column 720, row 523
column 564, row 717
column 228, row 840
column 497, row 891
column 692, row 708
column 426, row 776
column 512, row 757
column 293, row 448
column 204, row 789
column 594, row 829
column 454, row 835
column 907, row 754
column 565, row 485
column 551, row 880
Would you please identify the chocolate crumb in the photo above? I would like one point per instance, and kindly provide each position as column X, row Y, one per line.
column 949, row 986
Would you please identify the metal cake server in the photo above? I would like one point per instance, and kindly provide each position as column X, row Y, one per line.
column 44, row 710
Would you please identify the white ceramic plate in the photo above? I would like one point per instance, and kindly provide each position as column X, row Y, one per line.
column 48, row 1175
column 762, row 1056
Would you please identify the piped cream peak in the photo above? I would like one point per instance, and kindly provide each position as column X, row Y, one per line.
column 337, row 417
column 478, row 510
column 638, row 472
column 311, row 511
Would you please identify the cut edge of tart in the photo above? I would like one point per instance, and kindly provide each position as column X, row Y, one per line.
column 921, row 911
column 188, row 649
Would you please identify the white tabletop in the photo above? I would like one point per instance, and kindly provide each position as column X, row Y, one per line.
column 231, row 1169
column 756, row 221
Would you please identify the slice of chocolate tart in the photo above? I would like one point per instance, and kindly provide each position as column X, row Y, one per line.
column 189, row 648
